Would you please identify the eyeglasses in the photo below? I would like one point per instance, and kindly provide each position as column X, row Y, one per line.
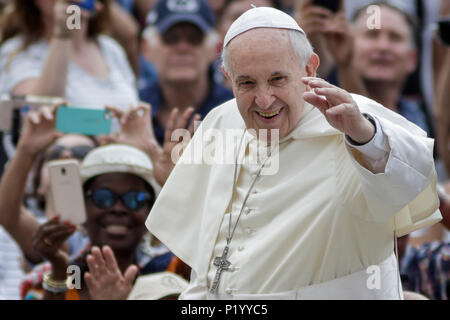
column 132, row 200
column 77, row 152
column 173, row 36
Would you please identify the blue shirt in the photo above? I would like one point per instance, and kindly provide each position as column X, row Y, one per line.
column 151, row 93
column 411, row 110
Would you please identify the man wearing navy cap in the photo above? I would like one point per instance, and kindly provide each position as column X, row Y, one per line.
column 181, row 43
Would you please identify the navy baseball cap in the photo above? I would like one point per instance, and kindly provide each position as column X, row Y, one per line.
column 167, row 13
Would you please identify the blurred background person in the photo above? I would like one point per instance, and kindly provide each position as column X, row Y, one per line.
column 181, row 43
column 40, row 55
column 23, row 210
column 385, row 57
column 217, row 6
column 22, row 214
column 119, row 190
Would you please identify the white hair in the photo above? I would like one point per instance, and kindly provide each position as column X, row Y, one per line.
column 300, row 44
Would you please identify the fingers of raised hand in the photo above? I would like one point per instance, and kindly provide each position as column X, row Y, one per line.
column 110, row 259
column 344, row 110
column 319, row 102
column 171, row 124
column 130, row 274
column 51, row 235
column 333, row 94
column 33, row 117
column 96, row 263
column 195, row 123
column 183, row 121
column 117, row 113
column 314, row 82
column 45, row 114
column 146, row 107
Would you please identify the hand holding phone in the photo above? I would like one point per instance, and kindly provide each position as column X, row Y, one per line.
column 67, row 191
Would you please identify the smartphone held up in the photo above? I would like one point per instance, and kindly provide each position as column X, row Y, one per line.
column 90, row 122
column 67, row 191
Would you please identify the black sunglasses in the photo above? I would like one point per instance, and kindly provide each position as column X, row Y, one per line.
column 172, row 37
column 444, row 31
column 78, row 152
column 132, row 200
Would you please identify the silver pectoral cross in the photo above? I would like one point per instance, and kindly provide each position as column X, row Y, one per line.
column 222, row 264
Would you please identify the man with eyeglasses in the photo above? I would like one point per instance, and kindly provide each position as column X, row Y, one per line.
column 181, row 43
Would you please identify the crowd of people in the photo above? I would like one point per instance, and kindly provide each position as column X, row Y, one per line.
column 156, row 66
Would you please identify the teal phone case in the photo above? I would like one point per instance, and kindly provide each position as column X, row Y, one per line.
column 91, row 122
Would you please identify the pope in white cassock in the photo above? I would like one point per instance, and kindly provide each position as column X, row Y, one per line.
column 351, row 177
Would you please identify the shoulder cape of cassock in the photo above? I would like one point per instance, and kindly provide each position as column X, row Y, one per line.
column 188, row 212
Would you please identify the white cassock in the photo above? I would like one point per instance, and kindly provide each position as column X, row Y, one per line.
column 322, row 227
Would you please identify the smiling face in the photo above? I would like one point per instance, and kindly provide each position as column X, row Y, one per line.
column 386, row 54
column 117, row 226
column 181, row 54
column 266, row 79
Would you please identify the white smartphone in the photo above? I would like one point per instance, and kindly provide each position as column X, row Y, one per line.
column 67, row 191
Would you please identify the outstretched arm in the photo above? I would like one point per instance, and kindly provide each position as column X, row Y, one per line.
column 408, row 168
column 39, row 132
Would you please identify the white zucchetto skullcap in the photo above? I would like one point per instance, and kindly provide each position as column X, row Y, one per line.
column 260, row 17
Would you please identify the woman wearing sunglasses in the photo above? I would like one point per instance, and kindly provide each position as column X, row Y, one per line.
column 24, row 206
column 119, row 190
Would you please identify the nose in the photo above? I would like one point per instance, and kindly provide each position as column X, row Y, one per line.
column 183, row 44
column 383, row 43
column 119, row 207
column 264, row 98
column 66, row 154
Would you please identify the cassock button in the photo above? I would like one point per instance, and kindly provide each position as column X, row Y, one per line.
column 241, row 248
column 228, row 291
column 248, row 231
column 247, row 210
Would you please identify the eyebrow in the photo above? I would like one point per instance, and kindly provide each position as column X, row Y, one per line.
column 240, row 78
column 276, row 73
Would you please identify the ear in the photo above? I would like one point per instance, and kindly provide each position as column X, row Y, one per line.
column 226, row 74
column 312, row 65
column 228, row 77
column 146, row 50
column 413, row 57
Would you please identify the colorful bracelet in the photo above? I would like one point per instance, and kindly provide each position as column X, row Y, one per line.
column 54, row 286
